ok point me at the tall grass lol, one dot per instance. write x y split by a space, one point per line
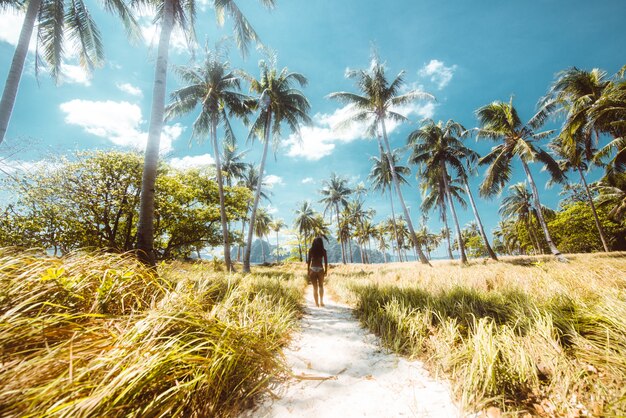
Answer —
523 334
99 335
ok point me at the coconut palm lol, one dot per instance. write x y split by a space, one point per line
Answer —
305 220
572 158
377 103
434 194
608 115
171 13
612 189
499 121
435 146
233 166
381 179
319 227
252 181
336 192
215 89
262 227
518 205
276 226
278 102
58 22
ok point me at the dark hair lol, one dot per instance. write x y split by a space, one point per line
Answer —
317 248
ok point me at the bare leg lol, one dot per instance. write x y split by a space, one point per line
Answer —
321 290
314 281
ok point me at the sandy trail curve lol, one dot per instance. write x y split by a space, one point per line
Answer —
340 370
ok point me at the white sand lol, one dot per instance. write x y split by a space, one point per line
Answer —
340 370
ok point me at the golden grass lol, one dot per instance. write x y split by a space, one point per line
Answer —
525 334
100 335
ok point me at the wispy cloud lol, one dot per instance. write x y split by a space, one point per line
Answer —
10 26
328 130
307 180
273 180
130 89
75 74
118 122
196 161
438 73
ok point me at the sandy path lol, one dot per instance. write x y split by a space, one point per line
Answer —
341 371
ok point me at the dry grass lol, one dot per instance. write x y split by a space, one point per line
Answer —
526 335
99 335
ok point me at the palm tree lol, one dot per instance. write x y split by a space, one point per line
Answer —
572 158
434 194
233 166
319 227
216 90
278 102
499 121
608 115
518 205
169 14
276 226
56 23
304 221
435 146
262 227
612 189
336 192
381 179
377 104
252 181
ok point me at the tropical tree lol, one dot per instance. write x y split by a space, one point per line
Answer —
170 13
276 226
215 89
499 121
304 221
518 205
377 103
335 192
435 146
572 158
612 189
252 181
278 102
233 166
381 179
58 22
434 195
262 224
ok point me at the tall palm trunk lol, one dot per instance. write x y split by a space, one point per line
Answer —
492 254
533 236
17 66
343 251
422 257
393 223
277 248
555 251
593 210
145 227
220 188
444 175
444 218
257 194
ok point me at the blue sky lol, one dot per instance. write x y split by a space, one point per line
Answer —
465 53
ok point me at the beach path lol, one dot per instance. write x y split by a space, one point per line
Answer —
340 370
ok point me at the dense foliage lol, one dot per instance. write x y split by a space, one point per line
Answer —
92 201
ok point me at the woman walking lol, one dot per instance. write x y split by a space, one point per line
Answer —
316 270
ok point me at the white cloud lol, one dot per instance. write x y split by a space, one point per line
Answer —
271 209
196 161
10 26
21 166
130 89
118 122
320 140
150 33
438 73
307 180
75 74
273 180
